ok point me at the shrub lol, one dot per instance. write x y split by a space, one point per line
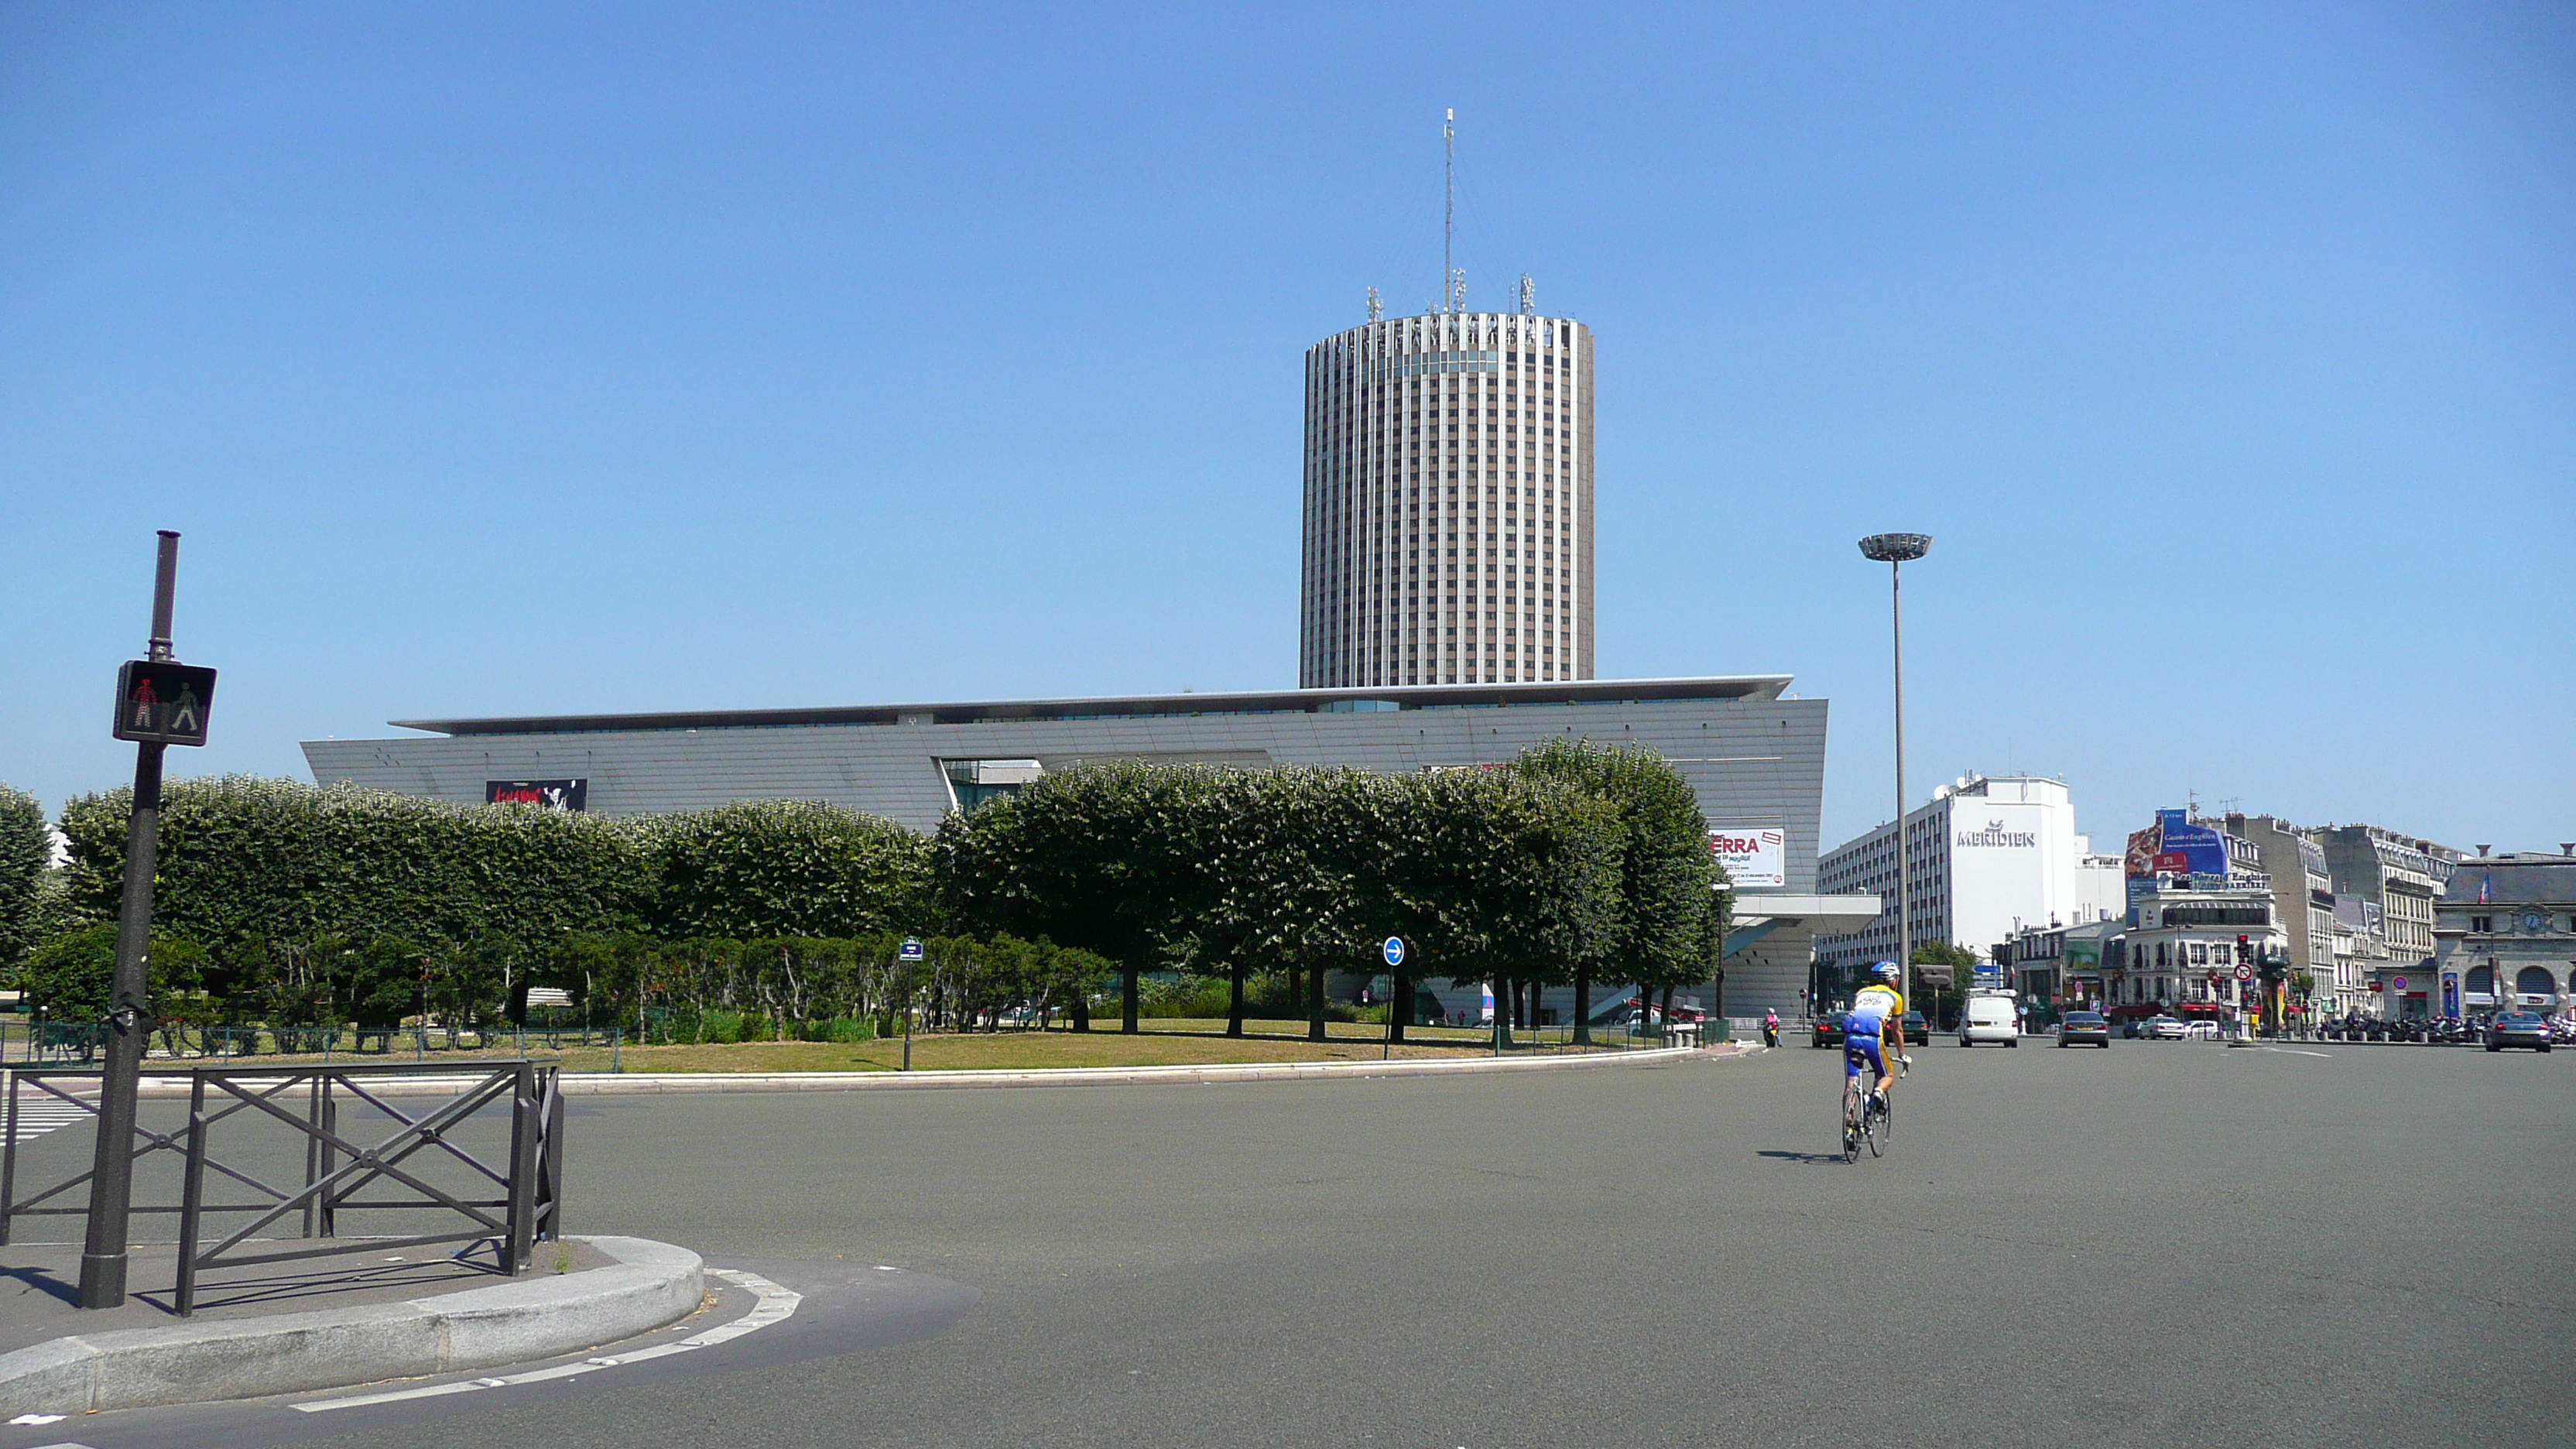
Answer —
72 976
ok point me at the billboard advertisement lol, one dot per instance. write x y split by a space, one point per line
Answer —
550 794
2143 845
2195 849
1754 859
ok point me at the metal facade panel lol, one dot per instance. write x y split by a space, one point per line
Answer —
1756 762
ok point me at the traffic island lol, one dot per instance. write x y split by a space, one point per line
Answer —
587 1084
361 1317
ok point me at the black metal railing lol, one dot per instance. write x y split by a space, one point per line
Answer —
337 1167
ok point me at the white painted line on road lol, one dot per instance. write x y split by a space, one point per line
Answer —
2295 1052
40 1113
775 1304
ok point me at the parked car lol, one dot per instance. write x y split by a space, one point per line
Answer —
1827 1031
2086 1028
1989 1018
1915 1031
2200 1031
2517 1029
2165 1028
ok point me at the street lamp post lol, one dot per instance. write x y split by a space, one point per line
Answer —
1896 550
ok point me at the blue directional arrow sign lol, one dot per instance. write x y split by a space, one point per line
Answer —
1395 950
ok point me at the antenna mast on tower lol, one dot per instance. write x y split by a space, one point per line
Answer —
1448 208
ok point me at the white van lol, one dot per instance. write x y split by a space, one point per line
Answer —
1989 1018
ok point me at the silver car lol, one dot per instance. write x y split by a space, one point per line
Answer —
2517 1029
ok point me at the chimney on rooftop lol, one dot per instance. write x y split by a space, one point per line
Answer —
2486 850
2567 847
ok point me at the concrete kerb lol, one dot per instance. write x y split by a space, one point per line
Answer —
605 1083
649 1285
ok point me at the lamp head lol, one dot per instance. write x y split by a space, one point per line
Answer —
1895 547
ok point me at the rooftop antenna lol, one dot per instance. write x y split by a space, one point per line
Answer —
1448 206
1529 296
1377 308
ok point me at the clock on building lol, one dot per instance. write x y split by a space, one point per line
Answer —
2534 921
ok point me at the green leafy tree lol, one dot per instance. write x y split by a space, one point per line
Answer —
1671 917
72 977
773 868
242 857
1496 876
25 852
1944 1003
1107 858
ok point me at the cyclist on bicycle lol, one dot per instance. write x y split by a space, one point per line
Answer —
1874 1031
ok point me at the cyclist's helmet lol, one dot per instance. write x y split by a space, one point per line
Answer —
1889 971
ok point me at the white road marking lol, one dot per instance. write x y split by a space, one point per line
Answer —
775 1304
2295 1052
40 1113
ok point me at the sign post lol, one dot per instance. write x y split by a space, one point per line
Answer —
1394 951
159 703
910 955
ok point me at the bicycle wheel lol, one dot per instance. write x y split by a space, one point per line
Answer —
1887 1120
1852 1119
1869 1117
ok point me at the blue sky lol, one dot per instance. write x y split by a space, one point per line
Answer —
519 359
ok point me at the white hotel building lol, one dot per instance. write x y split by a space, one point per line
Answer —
1989 855
1448 515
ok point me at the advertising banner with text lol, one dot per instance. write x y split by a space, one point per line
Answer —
1754 859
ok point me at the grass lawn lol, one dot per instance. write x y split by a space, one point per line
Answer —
1160 1042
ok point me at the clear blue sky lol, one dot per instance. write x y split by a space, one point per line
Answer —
520 359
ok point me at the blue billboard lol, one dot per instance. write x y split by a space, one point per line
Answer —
2188 849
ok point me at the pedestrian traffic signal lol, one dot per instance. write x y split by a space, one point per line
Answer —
161 703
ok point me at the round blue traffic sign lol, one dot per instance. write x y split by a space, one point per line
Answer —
1395 950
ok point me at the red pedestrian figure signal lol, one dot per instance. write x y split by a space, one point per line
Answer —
159 703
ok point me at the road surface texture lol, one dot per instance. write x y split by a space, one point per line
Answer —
2159 1244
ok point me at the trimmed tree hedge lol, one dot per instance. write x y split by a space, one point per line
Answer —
244 859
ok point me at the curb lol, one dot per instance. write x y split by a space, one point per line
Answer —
527 1318
580 1084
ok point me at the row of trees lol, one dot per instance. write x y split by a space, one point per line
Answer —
1573 865
689 990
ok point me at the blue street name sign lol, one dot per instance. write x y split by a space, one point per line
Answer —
911 949
1395 950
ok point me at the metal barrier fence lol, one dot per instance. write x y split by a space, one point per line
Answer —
336 1167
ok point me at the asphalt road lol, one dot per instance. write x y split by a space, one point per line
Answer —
2160 1244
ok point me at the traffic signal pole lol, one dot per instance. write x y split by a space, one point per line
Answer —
111 1186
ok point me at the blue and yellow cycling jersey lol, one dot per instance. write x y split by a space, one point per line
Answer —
1872 1009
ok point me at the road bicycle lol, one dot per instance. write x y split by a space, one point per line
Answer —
1862 1113
1867 1119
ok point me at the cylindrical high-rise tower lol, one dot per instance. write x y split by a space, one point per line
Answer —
1448 535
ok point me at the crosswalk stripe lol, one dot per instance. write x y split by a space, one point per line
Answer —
38 1116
